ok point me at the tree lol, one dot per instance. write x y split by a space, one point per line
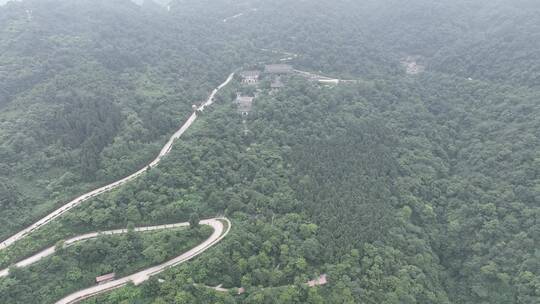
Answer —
59 247
194 220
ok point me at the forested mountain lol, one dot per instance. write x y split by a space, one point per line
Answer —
402 187
89 90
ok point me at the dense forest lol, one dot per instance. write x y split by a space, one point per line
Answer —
402 188
93 100
75 267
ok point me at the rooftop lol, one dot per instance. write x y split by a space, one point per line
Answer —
278 69
250 73
244 103
105 277
244 99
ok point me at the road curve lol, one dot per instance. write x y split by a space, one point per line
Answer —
220 231
51 250
77 201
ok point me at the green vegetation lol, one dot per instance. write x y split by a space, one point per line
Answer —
88 97
76 267
402 188
411 230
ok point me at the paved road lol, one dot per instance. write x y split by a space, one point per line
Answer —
321 78
238 15
51 250
74 203
290 56
220 231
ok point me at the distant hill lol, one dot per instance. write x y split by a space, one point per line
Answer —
163 3
419 187
2 2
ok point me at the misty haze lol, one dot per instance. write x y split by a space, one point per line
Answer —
270 152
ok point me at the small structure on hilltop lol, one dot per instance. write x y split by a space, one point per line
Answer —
245 103
278 69
318 281
412 67
250 77
329 81
105 278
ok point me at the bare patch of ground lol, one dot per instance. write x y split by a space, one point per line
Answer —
412 67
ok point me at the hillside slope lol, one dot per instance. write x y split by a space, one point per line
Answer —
402 188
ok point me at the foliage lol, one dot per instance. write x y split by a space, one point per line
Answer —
403 189
76 267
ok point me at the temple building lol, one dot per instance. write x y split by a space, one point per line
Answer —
245 103
250 77
279 69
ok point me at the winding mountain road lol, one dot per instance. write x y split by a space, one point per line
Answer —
220 231
221 227
77 201
51 250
